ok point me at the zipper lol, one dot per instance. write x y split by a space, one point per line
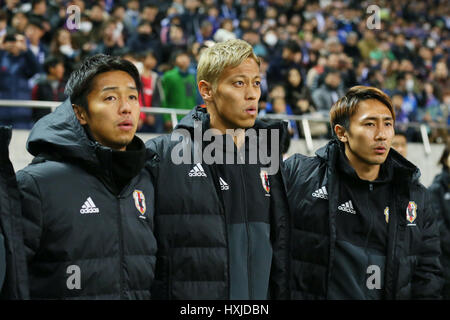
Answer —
215 180
249 269
121 253
371 218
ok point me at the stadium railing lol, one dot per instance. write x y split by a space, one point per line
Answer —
304 120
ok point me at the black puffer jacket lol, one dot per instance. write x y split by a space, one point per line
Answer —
13 272
440 195
83 240
412 262
205 233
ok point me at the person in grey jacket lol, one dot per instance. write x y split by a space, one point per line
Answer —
329 92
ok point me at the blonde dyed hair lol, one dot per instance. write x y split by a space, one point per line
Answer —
214 60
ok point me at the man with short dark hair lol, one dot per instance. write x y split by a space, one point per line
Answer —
179 86
87 200
51 87
17 66
400 143
363 227
329 92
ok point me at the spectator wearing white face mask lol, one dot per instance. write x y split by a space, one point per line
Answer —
61 46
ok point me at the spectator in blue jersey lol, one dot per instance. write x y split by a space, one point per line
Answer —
34 32
17 66
145 39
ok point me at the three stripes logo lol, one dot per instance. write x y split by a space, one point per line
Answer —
347 207
89 207
197 171
321 193
223 185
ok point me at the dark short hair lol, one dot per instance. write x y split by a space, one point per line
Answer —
293 46
79 84
401 133
178 53
52 61
37 22
347 105
444 156
9 37
35 2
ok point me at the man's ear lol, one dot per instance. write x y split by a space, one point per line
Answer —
205 89
80 113
341 133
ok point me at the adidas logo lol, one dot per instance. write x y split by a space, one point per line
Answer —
223 185
321 193
89 207
197 171
347 207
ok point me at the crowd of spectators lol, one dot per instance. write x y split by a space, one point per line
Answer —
311 52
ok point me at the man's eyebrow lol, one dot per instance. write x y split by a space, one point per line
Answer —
245 76
115 88
376 118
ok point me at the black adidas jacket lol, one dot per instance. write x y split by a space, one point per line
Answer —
84 241
440 194
221 230
13 272
412 267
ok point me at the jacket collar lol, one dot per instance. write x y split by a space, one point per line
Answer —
402 168
200 113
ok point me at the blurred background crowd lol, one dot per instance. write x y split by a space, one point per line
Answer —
311 53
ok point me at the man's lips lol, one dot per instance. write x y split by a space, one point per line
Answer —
126 125
251 110
380 150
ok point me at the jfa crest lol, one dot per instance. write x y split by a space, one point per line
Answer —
139 201
411 211
265 180
386 214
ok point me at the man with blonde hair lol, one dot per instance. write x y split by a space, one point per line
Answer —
220 217
363 227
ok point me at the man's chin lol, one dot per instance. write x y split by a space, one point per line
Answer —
376 160
247 124
121 145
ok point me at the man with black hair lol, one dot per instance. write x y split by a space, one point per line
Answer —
17 66
291 56
400 143
179 85
34 31
50 88
440 195
363 227
40 11
87 200
144 39
329 92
